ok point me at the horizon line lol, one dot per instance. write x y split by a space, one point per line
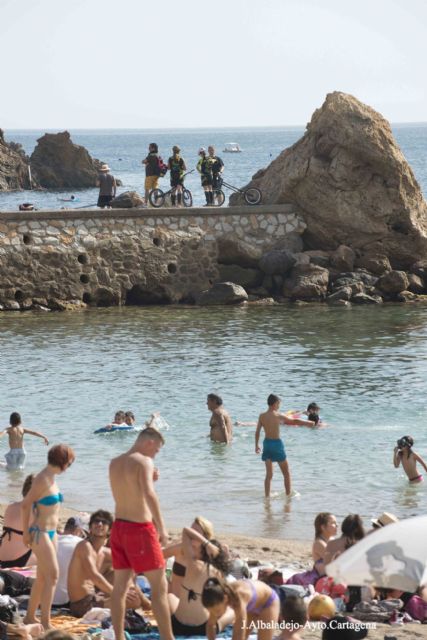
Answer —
215 128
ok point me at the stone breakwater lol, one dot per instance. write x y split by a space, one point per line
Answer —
66 259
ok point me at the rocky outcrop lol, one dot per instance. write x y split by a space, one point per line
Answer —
127 200
232 250
222 293
58 163
351 183
306 282
14 172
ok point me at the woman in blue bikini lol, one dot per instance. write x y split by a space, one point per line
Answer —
43 500
256 607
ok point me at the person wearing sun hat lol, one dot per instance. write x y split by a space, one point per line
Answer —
107 187
383 520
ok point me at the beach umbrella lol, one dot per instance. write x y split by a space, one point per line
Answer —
392 557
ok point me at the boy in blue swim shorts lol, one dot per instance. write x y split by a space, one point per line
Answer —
273 449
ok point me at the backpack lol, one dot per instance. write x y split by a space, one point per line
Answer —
162 167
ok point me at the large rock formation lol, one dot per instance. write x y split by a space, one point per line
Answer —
61 164
13 167
351 183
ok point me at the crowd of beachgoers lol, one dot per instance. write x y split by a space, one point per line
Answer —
102 560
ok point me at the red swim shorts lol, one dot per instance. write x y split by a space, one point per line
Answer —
135 545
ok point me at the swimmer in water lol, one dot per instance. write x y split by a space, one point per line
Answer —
403 454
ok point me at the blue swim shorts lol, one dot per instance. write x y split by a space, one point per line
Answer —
273 450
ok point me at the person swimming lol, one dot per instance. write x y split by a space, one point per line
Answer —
404 454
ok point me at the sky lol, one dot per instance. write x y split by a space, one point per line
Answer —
194 63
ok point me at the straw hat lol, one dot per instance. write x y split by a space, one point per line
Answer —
384 519
104 167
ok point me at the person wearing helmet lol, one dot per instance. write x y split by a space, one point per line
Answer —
217 169
177 168
204 167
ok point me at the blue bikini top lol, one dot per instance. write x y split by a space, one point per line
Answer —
52 498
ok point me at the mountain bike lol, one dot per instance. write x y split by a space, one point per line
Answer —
157 197
251 196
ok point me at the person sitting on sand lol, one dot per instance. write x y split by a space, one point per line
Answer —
202 526
273 448
90 562
293 613
15 458
220 422
13 551
351 532
254 603
325 529
403 454
203 558
74 531
44 499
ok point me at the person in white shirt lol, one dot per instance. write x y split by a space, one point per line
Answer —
75 529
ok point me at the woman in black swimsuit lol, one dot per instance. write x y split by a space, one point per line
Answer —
13 552
202 526
203 558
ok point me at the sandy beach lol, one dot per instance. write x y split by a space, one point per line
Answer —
258 550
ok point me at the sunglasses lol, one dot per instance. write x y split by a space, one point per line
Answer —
100 521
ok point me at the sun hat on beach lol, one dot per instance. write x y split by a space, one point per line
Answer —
384 519
104 167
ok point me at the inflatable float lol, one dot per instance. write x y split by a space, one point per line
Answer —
158 423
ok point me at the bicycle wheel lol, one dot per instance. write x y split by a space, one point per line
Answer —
252 195
218 198
157 198
187 198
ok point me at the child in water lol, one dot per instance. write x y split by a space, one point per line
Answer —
15 458
312 413
403 454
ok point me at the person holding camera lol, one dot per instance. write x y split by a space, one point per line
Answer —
403 454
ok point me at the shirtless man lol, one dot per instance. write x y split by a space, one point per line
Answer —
273 448
15 458
220 422
138 531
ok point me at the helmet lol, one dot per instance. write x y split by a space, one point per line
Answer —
202 150
176 149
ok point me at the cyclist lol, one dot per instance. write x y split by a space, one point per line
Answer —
152 169
204 167
177 168
217 169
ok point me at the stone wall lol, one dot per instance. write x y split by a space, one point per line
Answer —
57 258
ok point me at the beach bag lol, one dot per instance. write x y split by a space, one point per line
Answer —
134 623
417 608
9 610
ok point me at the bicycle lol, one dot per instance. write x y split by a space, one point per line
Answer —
252 196
157 197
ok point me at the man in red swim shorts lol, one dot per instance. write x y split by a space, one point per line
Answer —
138 531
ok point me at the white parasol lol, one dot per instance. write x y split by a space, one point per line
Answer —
393 557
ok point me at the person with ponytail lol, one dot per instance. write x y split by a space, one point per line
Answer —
203 558
256 606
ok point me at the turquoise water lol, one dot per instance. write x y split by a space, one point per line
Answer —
124 150
366 367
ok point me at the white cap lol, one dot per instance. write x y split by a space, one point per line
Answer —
202 150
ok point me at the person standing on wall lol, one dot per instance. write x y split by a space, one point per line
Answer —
204 167
152 170
217 169
177 168
107 187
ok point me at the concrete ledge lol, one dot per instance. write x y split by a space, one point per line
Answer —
83 214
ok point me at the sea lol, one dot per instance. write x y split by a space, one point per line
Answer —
67 374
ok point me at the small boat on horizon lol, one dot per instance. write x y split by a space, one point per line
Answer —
232 147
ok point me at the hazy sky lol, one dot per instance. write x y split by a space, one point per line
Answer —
198 63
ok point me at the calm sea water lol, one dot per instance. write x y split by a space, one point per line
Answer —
366 367
123 150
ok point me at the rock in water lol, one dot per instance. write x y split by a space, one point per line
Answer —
58 163
222 293
351 183
13 167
